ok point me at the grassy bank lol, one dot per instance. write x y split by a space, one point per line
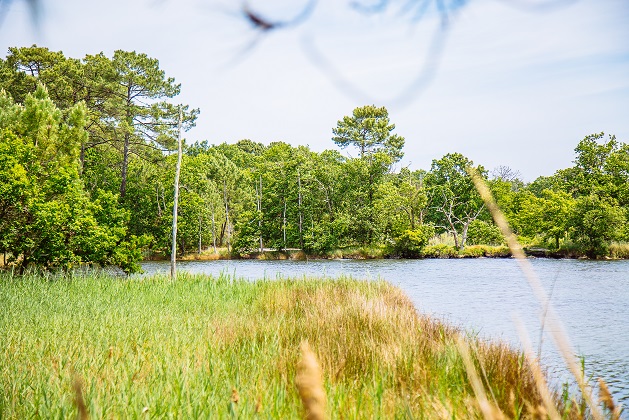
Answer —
617 251
215 347
355 253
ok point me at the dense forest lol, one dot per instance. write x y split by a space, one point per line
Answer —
87 168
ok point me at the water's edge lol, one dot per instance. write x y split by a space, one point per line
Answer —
484 295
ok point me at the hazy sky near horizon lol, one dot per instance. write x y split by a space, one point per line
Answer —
511 84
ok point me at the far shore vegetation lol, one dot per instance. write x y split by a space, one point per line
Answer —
87 166
205 347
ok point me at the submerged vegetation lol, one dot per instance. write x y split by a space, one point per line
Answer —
207 347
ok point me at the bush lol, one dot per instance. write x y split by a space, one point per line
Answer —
498 251
483 233
439 251
485 251
410 243
473 251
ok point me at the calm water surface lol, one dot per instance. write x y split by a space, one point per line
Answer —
484 295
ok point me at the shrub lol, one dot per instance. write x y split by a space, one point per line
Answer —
439 251
485 251
498 251
483 233
409 244
473 251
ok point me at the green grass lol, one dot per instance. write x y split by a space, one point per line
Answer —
152 347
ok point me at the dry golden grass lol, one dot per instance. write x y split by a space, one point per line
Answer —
204 347
309 382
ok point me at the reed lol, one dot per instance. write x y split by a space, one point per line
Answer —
218 347
619 250
558 334
605 397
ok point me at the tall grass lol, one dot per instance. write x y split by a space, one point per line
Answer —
619 250
216 347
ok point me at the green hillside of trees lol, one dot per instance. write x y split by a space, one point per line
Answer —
87 169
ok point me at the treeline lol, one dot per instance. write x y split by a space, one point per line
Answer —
87 169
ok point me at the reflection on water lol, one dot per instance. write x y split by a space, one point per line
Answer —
484 296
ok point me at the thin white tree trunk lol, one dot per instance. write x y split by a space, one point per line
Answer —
284 224
301 237
173 252
260 215
226 214
200 232
213 231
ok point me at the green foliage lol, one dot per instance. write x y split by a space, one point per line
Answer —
369 130
48 218
548 215
248 237
453 197
410 243
597 222
602 168
158 348
86 175
326 236
484 233
439 251
475 251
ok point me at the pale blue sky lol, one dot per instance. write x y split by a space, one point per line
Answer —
512 86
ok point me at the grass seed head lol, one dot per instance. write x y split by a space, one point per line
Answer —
309 383
608 401
78 399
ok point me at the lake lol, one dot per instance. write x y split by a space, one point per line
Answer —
485 295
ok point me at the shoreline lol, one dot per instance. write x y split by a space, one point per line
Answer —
437 252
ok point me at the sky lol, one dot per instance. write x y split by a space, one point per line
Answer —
504 82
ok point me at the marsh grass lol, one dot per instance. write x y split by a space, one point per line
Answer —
217 347
619 250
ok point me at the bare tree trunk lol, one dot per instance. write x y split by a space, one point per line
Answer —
125 152
226 214
125 164
260 215
213 230
200 232
284 223
82 159
301 236
466 225
173 252
159 208
221 239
